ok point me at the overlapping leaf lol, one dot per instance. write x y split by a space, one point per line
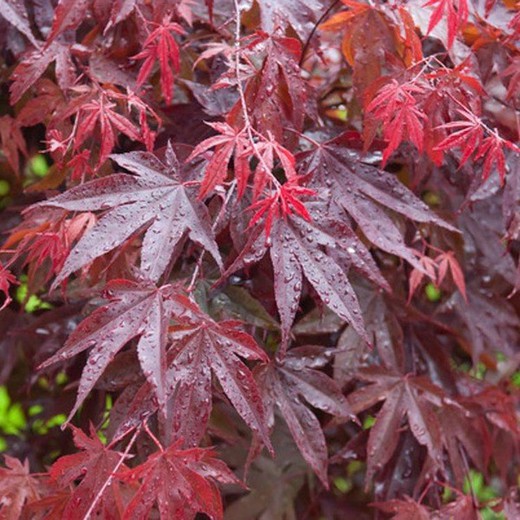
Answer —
287 385
276 93
160 45
154 199
413 396
32 67
317 251
300 15
181 483
366 194
15 13
204 347
133 310
17 488
94 466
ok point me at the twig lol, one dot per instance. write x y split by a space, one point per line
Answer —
114 471
247 122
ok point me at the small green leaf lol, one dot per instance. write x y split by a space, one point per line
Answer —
39 166
57 420
35 409
61 378
342 485
432 199
33 303
12 417
368 422
433 293
5 188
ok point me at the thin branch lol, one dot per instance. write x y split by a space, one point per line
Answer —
114 471
213 227
247 122
316 25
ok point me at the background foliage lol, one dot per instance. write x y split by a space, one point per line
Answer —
260 259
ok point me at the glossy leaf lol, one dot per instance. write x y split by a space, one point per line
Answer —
181 483
154 198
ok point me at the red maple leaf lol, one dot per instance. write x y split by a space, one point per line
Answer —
202 347
17 488
447 261
100 112
296 247
36 62
160 45
6 279
93 466
181 482
154 199
473 137
284 201
287 384
396 107
133 310
228 142
413 396
456 12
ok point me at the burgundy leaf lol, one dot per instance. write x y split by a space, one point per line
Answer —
365 193
287 385
14 12
204 347
154 199
93 465
133 311
180 482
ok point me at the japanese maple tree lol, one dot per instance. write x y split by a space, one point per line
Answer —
260 259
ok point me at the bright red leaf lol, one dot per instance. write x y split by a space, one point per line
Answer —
456 14
6 280
93 466
396 107
160 45
180 482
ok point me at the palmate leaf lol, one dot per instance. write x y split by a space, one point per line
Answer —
134 310
68 14
203 347
35 63
15 13
404 395
94 465
154 199
17 488
287 385
161 46
275 94
366 193
180 482
319 250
